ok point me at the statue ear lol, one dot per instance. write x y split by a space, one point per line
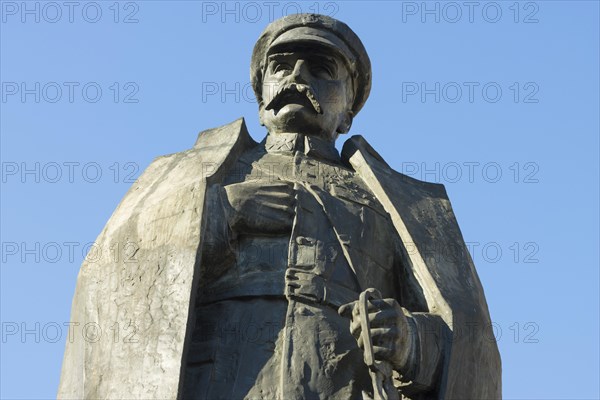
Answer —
345 123
261 109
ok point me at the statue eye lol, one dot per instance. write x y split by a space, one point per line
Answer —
278 67
322 71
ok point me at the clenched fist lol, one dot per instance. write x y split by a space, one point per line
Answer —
260 207
389 328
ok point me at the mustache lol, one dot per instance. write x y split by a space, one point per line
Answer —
295 89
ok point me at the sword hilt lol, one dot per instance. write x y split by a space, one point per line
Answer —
380 371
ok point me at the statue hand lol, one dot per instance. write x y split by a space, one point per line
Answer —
260 207
390 331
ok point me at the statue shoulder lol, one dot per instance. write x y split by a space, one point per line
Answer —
225 136
369 164
213 148
207 161
217 140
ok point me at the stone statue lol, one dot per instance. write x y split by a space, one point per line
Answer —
284 269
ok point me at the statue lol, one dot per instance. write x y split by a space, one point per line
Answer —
284 269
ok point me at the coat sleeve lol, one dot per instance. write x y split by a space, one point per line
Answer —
420 369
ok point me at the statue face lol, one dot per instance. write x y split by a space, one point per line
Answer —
308 91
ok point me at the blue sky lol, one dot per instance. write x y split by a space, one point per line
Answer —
497 100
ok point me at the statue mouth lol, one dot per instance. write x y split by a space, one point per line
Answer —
294 93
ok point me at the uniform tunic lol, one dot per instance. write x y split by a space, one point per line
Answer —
266 320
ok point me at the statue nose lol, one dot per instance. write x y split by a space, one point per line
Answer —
300 72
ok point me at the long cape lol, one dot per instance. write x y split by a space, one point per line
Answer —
132 307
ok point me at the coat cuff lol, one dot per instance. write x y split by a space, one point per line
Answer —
420 370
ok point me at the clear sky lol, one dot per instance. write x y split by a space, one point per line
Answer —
499 101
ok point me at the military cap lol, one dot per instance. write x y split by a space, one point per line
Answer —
318 29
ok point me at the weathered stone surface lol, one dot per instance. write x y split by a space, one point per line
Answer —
146 290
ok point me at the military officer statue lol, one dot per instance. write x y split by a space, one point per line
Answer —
313 274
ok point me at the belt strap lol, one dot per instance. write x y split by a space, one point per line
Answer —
295 284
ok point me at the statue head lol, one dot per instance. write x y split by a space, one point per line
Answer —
311 74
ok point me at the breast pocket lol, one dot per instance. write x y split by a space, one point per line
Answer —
377 240
357 195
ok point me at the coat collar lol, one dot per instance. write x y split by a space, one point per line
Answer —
312 146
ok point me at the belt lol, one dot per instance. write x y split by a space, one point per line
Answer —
295 284
306 286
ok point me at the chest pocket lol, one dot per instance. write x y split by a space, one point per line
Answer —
372 234
358 195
